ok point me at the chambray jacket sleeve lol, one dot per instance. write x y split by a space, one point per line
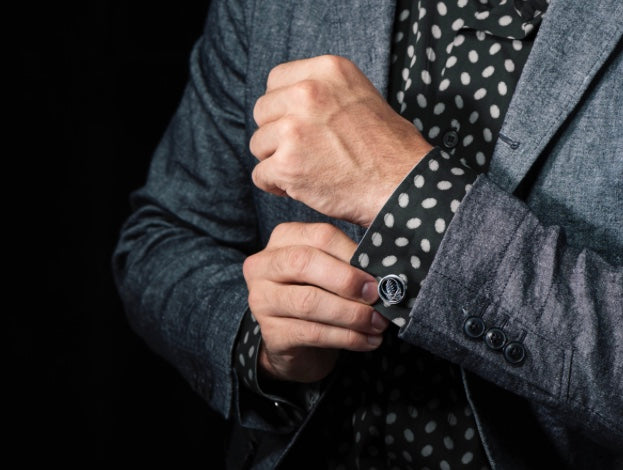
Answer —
490 287
559 310
178 262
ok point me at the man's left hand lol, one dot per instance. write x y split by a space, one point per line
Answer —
328 138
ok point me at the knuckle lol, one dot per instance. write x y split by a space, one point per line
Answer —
256 176
296 336
323 233
305 301
331 61
349 283
270 334
257 110
336 65
290 128
253 299
307 92
274 336
280 231
249 266
267 330
351 318
285 233
353 340
256 302
272 80
314 334
359 317
293 191
253 146
298 258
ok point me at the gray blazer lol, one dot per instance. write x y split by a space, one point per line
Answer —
536 247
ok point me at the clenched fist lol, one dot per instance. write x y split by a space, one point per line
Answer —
327 138
310 302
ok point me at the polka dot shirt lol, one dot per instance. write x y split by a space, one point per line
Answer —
455 64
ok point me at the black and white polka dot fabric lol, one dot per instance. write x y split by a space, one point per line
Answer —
291 400
455 64
403 239
398 408
246 351
458 63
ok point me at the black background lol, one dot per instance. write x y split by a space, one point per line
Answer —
97 85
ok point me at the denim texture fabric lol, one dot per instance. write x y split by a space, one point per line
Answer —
536 248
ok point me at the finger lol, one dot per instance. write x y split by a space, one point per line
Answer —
305 264
302 97
320 67
287 333
265 140
271 106
317 305
294 71
263 177
323 236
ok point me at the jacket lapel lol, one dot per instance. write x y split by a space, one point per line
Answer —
573 43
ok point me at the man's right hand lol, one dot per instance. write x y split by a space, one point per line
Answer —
310 302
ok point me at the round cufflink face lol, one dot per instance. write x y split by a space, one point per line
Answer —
392 289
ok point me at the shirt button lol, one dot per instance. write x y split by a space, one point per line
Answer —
514 352
474 327
495 338
450 139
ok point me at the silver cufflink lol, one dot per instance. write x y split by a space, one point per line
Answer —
392 289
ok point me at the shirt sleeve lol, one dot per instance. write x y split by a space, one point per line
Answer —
401 243
291 401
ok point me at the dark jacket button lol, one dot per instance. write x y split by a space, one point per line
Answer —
474 327
514 352
450 139
495 338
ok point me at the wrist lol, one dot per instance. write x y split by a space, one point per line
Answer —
400 170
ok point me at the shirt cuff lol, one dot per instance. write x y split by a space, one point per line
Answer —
400 244
294 399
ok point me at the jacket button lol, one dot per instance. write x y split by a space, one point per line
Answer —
514 352
450 139
495 338
474 327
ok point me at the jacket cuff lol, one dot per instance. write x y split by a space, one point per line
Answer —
401 243
459 315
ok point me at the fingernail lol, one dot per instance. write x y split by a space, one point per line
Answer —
378 321
369 292
375 340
